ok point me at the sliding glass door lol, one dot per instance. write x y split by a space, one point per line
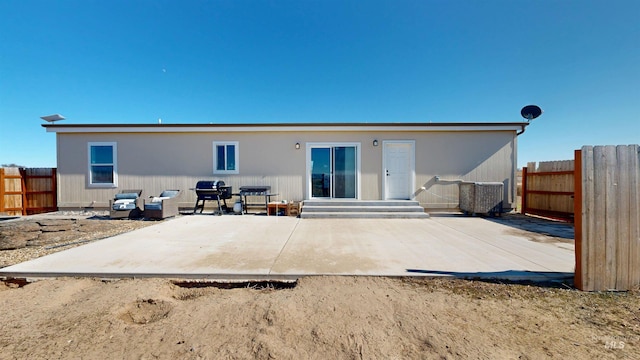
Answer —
321 172
334 171
344 172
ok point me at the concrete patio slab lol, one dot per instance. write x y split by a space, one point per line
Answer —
260 247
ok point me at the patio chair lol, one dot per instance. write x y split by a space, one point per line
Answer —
163 206
127 204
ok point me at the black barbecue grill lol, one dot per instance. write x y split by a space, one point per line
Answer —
260 191
212 190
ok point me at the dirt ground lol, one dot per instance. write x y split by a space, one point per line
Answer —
314 318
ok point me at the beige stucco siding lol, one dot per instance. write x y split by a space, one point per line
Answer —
157 161
470 156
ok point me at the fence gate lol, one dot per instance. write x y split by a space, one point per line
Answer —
27 191
607 227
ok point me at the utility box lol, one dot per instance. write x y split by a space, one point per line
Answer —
481 197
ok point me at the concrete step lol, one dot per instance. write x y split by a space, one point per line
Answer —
362 208
363 215
361 203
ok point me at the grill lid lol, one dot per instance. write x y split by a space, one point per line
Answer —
255 189
209 185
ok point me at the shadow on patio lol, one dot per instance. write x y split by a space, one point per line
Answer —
537 278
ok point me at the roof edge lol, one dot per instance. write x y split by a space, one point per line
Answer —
281 127
276 125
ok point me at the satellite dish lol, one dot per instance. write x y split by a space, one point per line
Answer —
52 118
530 112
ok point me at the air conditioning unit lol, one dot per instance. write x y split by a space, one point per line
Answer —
481 197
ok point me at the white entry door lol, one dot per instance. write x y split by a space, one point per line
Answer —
398 160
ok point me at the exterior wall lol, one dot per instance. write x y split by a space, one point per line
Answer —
177 160
469 156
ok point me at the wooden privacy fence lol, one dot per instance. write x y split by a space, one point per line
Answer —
607 221
548 189
27 191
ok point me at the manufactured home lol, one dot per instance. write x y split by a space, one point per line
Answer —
359 161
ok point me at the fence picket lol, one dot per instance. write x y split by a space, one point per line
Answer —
634 216
623 219
588 225
611 192
598 216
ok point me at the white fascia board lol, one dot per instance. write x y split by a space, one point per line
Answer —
288 128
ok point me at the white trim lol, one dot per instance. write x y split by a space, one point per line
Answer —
283 128
357 145
236 153
412 175
114 149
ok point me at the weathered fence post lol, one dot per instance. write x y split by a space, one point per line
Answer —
54 188
2 190
523 194
577 218
23 187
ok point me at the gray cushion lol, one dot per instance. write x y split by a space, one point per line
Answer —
123 196
153 206
169 193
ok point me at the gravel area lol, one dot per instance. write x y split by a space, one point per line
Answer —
29 237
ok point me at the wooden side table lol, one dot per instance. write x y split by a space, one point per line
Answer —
274 207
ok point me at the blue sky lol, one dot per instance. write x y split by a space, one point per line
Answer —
322 61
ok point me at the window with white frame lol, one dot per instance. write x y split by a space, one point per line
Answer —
225 157
103 169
